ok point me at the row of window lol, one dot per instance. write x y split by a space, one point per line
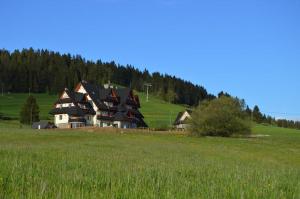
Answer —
65 105
60 117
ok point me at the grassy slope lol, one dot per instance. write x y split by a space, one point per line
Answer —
74 164
157 112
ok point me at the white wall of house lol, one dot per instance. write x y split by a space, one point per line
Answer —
89 120
182 126
94 118
106 124
124 125
61 120
118 124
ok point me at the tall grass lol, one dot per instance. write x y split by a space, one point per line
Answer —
78 164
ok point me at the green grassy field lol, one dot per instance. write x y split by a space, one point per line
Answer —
157 112
84 164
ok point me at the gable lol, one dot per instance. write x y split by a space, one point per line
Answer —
185 116
64 95
80 89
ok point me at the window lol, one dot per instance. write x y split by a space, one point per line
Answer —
104 113
60 117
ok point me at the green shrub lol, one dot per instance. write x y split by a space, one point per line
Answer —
223 116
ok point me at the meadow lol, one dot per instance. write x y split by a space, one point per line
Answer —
97 164
157 112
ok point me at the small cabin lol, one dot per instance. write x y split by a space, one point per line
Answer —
182 119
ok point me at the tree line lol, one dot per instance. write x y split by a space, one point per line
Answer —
257 116
44 71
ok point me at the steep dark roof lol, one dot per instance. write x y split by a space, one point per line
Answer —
73 111
65 100
73 97
120 116
77 97
142 123
177 120
97 93
123 93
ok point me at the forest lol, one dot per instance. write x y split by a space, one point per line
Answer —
44 71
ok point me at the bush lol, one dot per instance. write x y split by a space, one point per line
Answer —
223 116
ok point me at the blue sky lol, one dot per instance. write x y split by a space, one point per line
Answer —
249 48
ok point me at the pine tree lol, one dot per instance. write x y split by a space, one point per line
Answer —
248 111
30 111
257 116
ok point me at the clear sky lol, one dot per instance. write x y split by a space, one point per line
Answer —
249 48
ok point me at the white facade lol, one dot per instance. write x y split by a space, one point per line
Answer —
61 120
94 120
182 126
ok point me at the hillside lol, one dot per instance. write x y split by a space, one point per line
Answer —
157 112
45 71
81 164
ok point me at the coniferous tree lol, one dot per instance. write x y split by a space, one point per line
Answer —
257 115
30 111
248 111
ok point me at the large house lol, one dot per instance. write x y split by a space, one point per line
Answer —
182 120
92 105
